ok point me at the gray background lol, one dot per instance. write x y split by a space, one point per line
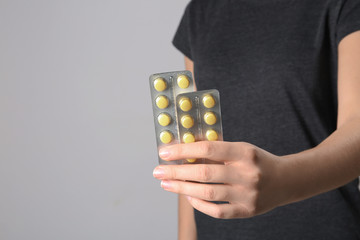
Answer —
77 141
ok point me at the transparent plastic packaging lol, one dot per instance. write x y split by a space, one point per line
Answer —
164 87
199 115
182 115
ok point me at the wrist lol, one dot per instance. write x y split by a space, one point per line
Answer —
302 175
285 181
278 181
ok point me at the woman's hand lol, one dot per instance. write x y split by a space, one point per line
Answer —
249 177
255 181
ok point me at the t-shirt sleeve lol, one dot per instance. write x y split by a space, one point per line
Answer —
349 19
182 38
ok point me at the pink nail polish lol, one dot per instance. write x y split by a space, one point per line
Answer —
188 198
164 153
158 172
165 185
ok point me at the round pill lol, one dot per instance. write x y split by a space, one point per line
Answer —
183 81
162 102
166 137
160 84
210 118
188 137
185 104
164 119
208 101
211 135
191 160
187 121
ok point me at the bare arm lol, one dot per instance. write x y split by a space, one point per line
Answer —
189 65
186 221
336 161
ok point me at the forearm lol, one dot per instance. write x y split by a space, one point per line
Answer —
333 163
186 221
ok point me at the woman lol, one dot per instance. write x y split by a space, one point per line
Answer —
289 77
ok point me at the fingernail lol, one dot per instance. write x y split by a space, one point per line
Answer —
188 198
165 184
164 153
158 172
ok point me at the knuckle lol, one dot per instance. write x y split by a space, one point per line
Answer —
253 206
227 195
254 187
179 151
207 148
205 174
256 177
218 213
250 212
179 188
209 193
194 203
172 173
250 153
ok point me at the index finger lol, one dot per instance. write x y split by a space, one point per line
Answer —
209 173
213 150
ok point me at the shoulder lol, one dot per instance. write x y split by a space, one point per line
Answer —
204 11
206 6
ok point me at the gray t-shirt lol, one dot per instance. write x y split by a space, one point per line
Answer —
275 65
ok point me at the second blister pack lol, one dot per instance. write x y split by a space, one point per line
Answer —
199 116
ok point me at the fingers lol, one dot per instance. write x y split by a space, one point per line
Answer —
210 173
223 211
199 194
214 150
209 192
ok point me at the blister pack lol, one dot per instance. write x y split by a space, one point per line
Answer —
164 88
199 117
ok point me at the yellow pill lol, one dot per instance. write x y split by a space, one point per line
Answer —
185 104
210 118
188 137
208 101
166 137
191 160
183 81
211 135
162 102
187 121
164 119
160 84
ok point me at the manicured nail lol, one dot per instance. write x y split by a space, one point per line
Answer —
158 172
165 184
163 153
188 198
